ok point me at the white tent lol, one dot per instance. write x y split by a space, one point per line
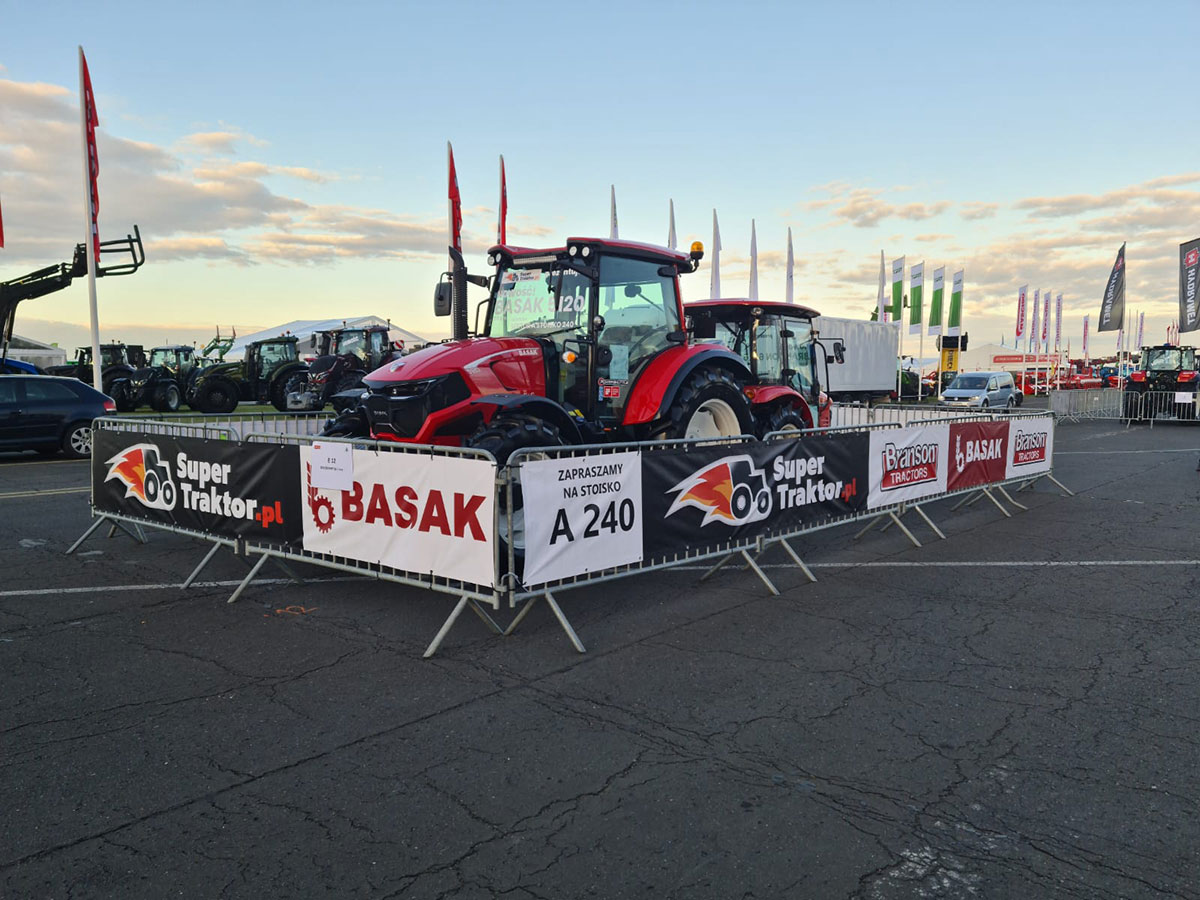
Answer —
304 328
996 358
35 352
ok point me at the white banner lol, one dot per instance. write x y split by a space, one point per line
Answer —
420 514
908 463
582 514
1030 447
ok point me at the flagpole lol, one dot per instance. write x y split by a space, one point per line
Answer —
92 251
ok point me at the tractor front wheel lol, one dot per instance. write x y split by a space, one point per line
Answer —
166 398
122 395
502 437
709 405
218 395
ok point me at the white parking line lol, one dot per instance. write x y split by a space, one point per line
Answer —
99 588
14 495
1094 452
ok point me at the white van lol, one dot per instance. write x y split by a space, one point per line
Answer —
981 390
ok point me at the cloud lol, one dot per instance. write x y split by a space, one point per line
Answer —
865 207
976 209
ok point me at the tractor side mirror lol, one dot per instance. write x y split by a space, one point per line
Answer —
839 352
312 339
677 337
443 298
787 333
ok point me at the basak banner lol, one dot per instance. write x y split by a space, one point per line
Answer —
582 514
907 464
1112 304
217 487
1189 274
1030 447
978 454
420 514
705 497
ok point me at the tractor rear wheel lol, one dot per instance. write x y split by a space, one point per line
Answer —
709 405
782 418
217 395
502 437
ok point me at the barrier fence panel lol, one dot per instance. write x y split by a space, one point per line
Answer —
1074 405
1152 406
450 520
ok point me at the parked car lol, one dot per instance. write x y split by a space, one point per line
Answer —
981 390
49 413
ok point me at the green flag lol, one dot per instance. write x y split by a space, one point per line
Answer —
896 310
935 303
954 321
916 284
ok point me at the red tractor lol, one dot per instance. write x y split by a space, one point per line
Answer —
778 344
583 343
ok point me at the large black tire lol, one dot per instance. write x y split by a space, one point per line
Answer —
710 404
77 440
217 395
503 436
122 396
351 423
166 398
781 418
295 383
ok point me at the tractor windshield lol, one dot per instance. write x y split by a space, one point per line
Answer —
109 356
539 301
162 357
1162 359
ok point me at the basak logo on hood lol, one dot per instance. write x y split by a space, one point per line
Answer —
146 477
731 490
401 507
1192 258
194 484
969 451
1029 447
905 466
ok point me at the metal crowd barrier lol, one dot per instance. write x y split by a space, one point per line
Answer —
507 587
1151 406
242 424
1075 405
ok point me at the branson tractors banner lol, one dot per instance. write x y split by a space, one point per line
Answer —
417 513
1030 447
907 464
704 497
215 487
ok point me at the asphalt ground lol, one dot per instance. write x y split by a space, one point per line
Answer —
1011 712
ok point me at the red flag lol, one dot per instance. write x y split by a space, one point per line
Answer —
455 204
502 225
91 120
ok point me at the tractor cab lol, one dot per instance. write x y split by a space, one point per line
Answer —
178 360
264 357
778 343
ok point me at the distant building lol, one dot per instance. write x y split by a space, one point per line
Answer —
305 328
35 352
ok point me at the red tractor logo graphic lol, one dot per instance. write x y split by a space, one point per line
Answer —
731 490
320 507
146 477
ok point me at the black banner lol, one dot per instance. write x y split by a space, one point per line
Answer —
1189 274
217 487
703 497
1112 305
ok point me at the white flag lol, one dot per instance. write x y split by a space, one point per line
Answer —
1031 346
790 268
612 228
1058 323
916 288
1140 331
671 230
753 295
714 279
936 301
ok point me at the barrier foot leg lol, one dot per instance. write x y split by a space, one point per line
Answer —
928 521
446 626
483 615
912 537
262 561
964 500
558 614
287 570
713 571
200 568
988 494
868 527
1070 493
798 561
87 534
760 573
1009 498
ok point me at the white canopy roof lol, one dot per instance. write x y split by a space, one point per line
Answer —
303 328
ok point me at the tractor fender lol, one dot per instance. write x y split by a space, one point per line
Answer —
654 390
781 395
541 407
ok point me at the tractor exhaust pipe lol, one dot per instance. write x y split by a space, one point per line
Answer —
458 302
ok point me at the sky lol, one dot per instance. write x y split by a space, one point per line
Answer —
288 160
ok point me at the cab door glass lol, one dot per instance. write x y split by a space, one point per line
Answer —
768 351
800 355
640 308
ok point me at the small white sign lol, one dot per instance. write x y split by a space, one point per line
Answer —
1185 397
332 465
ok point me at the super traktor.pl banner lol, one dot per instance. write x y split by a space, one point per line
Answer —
701 498
215 487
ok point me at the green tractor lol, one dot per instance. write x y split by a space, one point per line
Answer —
260 378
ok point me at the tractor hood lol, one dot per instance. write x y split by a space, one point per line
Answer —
487 365
227 369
